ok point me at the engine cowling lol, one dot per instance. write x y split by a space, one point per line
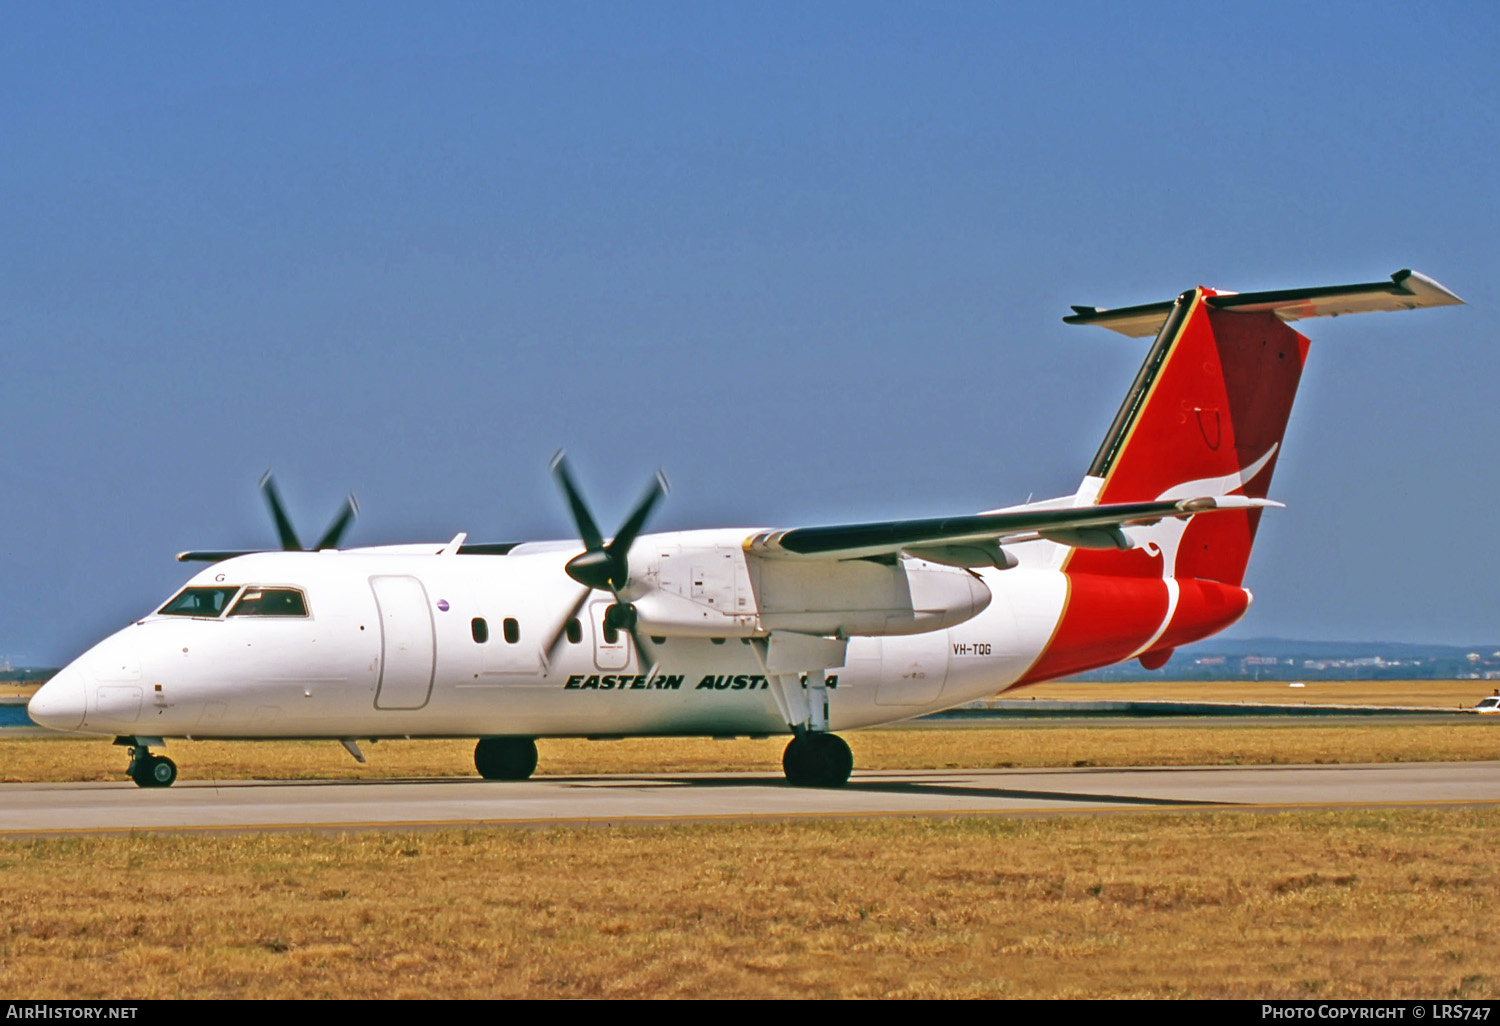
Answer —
721 591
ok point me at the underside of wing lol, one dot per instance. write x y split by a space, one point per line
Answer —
975 540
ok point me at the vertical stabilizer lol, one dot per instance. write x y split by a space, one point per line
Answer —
1205 415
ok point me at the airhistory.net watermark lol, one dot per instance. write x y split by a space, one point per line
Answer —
55 1010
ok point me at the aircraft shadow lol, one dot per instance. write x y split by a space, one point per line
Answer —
1015 794
932 788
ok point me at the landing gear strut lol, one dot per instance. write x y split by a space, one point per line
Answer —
505 758
817 760
149 770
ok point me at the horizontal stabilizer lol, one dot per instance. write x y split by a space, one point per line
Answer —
1406 290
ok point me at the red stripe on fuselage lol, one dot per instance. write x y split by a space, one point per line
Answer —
1104 620
1203 608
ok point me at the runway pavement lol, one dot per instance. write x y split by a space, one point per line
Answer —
194 805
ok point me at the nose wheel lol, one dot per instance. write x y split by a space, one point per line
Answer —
817 760
149 770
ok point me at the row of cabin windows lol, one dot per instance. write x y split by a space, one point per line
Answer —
481 630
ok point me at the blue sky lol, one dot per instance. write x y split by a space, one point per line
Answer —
812 259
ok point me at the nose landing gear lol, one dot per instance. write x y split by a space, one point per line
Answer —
149 770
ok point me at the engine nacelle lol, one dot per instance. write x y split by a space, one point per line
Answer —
717 590
859 596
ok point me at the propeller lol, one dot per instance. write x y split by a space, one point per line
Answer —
601 567
288 534
284 529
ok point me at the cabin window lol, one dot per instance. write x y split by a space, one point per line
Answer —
512 630
575 631
479 629
199 602
611 635
270 602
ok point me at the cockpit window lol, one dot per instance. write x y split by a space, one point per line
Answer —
270 602
199 602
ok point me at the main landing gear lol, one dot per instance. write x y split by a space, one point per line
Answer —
817 760
149 770
505 758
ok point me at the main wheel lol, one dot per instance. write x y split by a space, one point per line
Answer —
817 760
153 771
505 758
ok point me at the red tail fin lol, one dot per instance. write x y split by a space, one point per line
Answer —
1205 415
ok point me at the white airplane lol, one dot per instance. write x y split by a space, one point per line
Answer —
742 631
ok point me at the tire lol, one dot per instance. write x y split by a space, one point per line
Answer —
817 760
153 771
794 762
505 758
163 771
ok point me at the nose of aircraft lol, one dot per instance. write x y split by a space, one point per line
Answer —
58 704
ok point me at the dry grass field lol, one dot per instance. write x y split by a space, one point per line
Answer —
1389 903
1017 743
1448 694
934 748
1302 905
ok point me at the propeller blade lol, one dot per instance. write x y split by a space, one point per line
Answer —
645 652
289 540
562 629
587 529
335 532
619 547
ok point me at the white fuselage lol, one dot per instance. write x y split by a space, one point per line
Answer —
388 648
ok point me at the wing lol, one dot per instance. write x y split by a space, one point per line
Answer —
975 540
466 549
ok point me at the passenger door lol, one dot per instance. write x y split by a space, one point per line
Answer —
408 649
